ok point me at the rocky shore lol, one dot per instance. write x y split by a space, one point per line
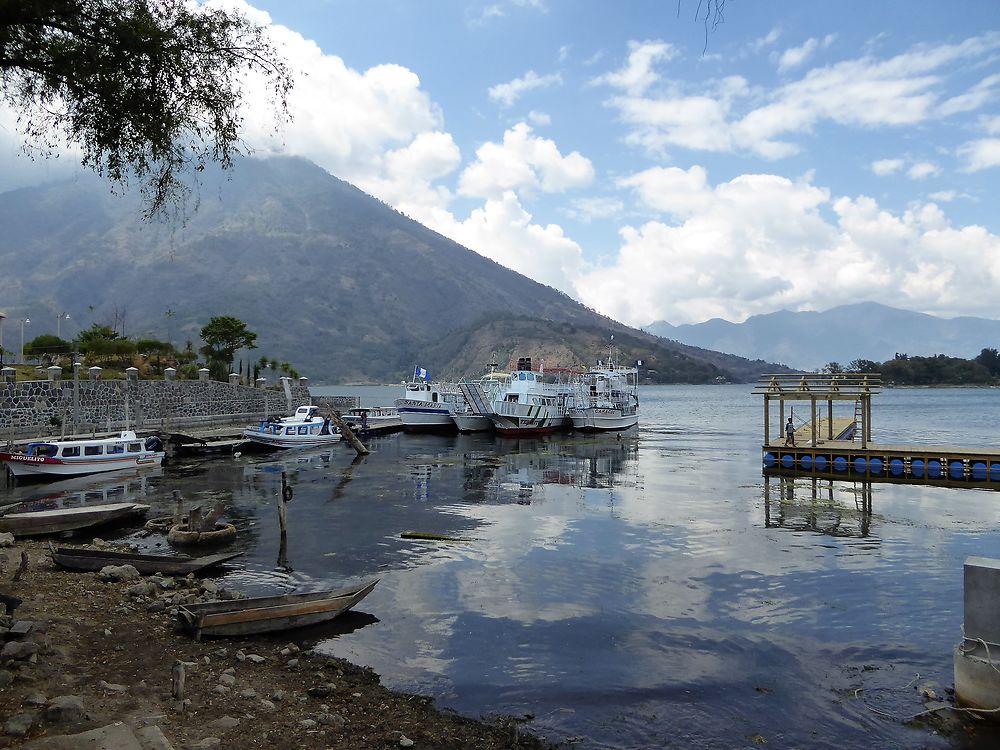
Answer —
93 661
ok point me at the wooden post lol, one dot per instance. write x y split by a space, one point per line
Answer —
864 422
767 421
283 499
812 423
348 434
829 419
178 508
781 417
177 680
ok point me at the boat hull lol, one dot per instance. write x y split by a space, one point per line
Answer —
423 415
240 617
523 419
21 465
473 423
599 419
289 441
94 560
38 523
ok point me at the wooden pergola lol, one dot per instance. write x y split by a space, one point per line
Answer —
816 388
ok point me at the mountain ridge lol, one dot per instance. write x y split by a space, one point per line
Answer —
335 282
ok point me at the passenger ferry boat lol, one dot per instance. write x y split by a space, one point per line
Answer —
524 405
606 397
427 406
306 428
466 418
67 458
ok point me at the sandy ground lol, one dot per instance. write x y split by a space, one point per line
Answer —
98 642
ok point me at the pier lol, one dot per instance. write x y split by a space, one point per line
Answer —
832 445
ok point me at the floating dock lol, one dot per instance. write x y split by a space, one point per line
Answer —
840 446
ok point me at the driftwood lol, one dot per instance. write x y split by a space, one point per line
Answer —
177 681
346 432
22 567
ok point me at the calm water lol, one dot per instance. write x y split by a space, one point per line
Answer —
653 591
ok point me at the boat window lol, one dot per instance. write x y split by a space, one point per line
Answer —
303 430
434 397
93 450
71 451
135 447
290 431
116 448
45 450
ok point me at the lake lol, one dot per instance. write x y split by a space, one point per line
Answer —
649 591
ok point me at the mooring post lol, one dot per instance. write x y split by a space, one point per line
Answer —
767 420
812 420
286 495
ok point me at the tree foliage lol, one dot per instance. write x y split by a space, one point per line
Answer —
148 89
46 346
223 335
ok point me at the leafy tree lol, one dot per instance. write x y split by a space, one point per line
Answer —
145 88
223 336
863 365
990 359
46 346
833 368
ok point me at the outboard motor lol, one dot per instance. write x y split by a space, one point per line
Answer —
153 443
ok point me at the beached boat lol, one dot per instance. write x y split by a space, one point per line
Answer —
173 565
263 614
66 458
606 397
427 406
39 522
305 428
523 405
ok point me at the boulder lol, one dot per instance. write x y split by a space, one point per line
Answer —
117 573
65 709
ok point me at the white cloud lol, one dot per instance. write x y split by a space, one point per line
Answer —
637 75
672 190
765 41
591 209
883 167
523 161
793 57
922 170
762 242
510 92
866 93
981 154
503 230
539 118
944 196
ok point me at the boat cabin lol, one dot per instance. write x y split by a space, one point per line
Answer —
127 442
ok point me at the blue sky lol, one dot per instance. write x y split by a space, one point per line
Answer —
813 154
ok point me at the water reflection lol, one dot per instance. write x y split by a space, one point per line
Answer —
814 504
127 485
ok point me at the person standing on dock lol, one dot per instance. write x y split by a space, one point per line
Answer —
789 433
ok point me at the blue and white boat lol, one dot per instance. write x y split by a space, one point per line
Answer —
304 429
427 406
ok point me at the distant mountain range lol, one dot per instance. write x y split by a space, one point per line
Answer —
333 281
867 330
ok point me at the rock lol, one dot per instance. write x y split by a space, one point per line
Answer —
210 586
118 573
256 658
18 650
220 689
405 741
19 725
205 744
112 687
227 679
158 606
278 695
117 736
151 738
307 723
226 722
206 660
292 663
331 720
266 705
293 648
6 539
139 589
240 656
36 699
6 678
248 693
230 670
222 653
322 691
65 708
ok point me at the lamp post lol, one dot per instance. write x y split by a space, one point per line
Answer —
59 319
24 322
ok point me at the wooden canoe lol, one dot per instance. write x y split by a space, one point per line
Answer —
263 614
95 559
36 523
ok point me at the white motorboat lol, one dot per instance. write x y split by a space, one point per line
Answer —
374 416
304 429
66 458
469 420
606 397
427 406
523 405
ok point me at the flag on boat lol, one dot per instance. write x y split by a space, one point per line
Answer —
419 373
639 363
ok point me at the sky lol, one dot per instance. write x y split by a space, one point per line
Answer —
795 156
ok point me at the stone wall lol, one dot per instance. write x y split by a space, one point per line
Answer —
37 408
